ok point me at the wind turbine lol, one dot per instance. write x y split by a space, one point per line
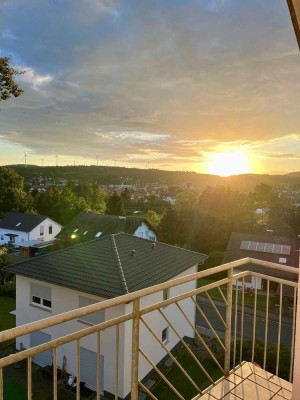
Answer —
25 158
56 156
42 161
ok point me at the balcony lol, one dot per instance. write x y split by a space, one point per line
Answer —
195 337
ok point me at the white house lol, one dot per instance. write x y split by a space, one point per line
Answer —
94 271
20 229
87 226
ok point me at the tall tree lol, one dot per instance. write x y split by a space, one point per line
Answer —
8 86
115 205
13 197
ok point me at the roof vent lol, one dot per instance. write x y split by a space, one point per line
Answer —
132 253
153 245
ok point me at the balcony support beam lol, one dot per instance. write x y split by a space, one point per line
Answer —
294 7
296 372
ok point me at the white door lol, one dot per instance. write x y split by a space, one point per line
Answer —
88 369
45 358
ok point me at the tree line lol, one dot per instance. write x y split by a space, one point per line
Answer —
200 222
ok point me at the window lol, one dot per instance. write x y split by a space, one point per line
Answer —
165 335
42 230
98 234
2 237
50 230
93 318
41 296
166 294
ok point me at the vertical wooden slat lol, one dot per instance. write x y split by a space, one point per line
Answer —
78 370
279 331
242 320
117 363
254 321
293 335
29 379
135 350
55 374
266 324
1 383
228 322
98 364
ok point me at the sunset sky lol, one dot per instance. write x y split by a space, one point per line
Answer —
174 84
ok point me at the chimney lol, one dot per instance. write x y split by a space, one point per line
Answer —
132 253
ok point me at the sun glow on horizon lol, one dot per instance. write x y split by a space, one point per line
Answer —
228 163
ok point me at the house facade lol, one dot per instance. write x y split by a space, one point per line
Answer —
19 228
66 281
267 247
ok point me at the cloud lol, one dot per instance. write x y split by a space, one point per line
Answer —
35 80
183 78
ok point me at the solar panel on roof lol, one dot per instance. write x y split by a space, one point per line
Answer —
286 250
260 246
244 245
277 249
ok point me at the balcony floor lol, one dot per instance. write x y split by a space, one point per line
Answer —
250 382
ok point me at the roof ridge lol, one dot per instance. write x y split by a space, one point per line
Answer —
162 243
120 268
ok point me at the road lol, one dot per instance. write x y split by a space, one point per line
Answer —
212 316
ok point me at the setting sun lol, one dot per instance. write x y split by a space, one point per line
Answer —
225 164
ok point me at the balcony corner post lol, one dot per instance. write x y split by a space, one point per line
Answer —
228 322
135 350
296 370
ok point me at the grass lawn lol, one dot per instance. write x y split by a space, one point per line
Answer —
180 382
12 390
248 299
7 320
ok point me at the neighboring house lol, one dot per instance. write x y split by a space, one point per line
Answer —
27 230
88 226
92 272
270 248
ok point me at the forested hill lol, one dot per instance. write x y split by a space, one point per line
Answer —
120 175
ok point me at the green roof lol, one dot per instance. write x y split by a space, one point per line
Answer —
86 225
110 266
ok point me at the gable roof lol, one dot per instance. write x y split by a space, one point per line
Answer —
263 247
21 222
87 225
108 266
294 8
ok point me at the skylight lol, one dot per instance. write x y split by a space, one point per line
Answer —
19 223
75 230
98 234
85 233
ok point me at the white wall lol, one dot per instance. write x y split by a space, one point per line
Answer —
64 299
22 236
157 323
34 234
145 232
250 284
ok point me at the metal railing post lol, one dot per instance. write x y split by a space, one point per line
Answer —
135 350
228 322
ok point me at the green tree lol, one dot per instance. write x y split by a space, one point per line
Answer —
8 86
13 197
153 218
115 205
4 261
